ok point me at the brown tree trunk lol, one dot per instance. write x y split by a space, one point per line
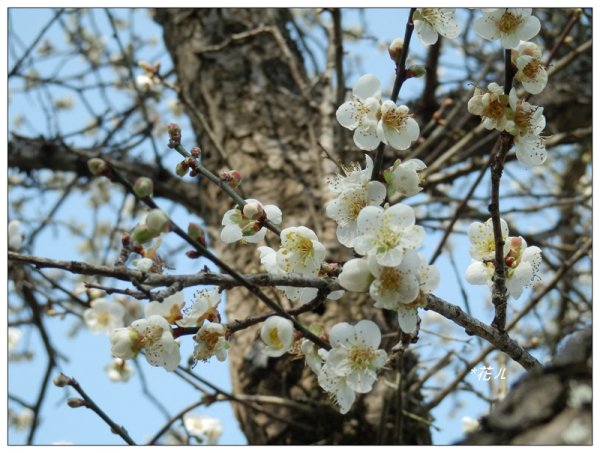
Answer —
245 77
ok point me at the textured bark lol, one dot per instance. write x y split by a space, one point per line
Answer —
546 407
267 118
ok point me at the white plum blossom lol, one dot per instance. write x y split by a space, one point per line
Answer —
396 285
312 356
429 279
104 316
531 71
431 21
526 123
154 335
481 235
388 233
15 235
337 386
510 25
491 105
404 177
354 356
356 275
356 191
396 126
210 340
278 334
521 267
208 428
169 308
247 224
354 176
300 250
360 114
203 309
119 370
20 421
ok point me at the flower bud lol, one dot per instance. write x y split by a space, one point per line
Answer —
142 234
157 221
195 152
231 177
181 169
61 380
97 166
197 233
76 402
143 187
395 49
416 71
253 211
174 133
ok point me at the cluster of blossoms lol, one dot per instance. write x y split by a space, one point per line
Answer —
154 332
506 112
521 262
247 224
208 429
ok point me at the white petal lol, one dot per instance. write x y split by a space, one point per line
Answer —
401 215
341 334
407 319
231 233
355 275
426 32
367 86
478 273
396 139
391 257
273 213
348 114
375 193
520 278
369 219
368 332
530 28
486 28
366 138
347 234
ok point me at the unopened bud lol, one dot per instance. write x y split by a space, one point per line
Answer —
196 232
97 166
76 402
157 221
516 242
416 71
181 169
231 177
253 211
143 187
61 380
174 133
395 49
195 152
142 234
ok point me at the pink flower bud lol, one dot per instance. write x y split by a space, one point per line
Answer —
143 187
174 133
231 177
